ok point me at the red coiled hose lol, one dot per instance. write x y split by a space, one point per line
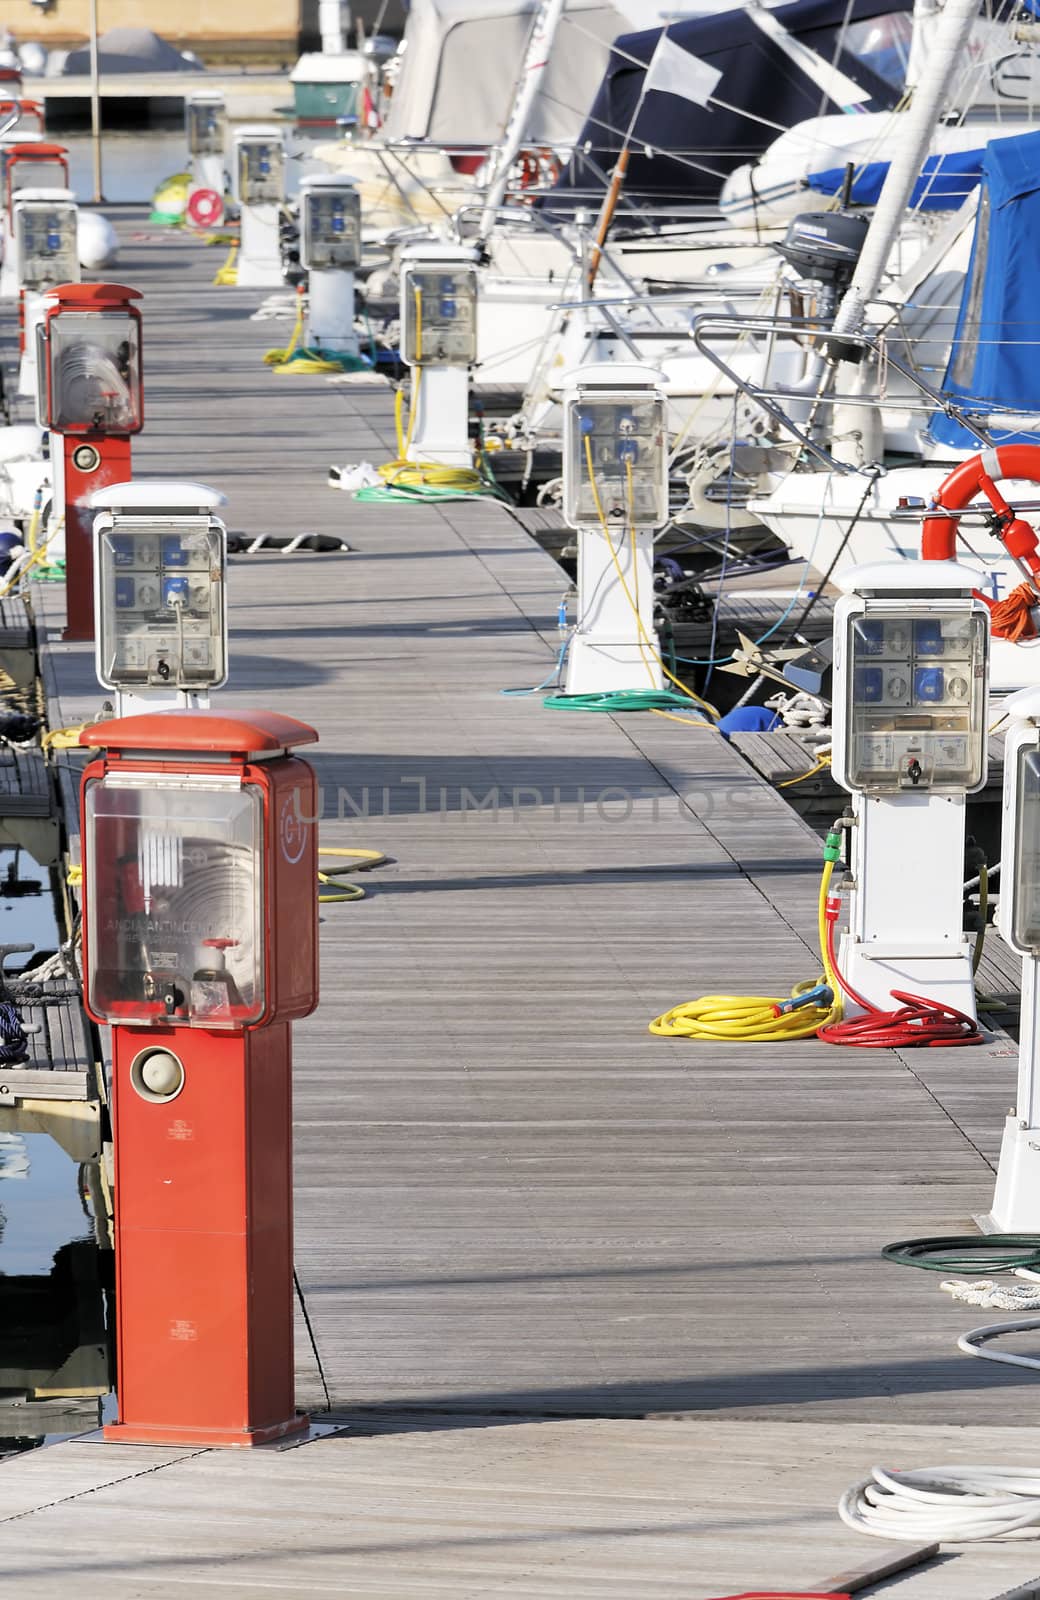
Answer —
914 1023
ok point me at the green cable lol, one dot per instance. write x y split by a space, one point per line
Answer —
624 700
993 1252
383 491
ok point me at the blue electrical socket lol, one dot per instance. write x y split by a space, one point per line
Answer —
173 552
929 685
928 639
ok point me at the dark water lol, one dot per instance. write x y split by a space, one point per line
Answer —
133 164
54 1370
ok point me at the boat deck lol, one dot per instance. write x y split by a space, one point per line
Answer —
602 1314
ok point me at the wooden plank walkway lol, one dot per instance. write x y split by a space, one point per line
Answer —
532 1237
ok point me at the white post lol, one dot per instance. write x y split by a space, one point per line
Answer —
438 317
608 649
615 495
330 312
906 911
260 190
1016 1197
95 101
32 316
333 20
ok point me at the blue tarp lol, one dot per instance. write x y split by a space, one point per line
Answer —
995 359
945 181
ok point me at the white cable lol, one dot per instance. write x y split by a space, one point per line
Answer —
954 1505
972 1342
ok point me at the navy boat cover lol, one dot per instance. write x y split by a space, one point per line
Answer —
683 152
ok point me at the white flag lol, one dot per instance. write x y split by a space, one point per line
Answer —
673 70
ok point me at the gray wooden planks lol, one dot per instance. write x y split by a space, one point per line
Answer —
512 1201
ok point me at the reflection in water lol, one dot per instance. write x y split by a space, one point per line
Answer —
54 1364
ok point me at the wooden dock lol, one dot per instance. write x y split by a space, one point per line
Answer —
601 1314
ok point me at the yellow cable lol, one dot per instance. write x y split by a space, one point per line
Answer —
362 861
65 738
710 709
750 1017
74 876
818 766
35 560
227 275
365 859
277 358
405 474
673 716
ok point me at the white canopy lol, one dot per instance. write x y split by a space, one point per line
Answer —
461 60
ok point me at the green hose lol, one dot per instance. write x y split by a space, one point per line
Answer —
384 491
992 1252
624 700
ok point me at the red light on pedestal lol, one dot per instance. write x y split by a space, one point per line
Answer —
91 396
24 108
33 165
199 948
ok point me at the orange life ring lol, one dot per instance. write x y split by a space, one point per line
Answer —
1011 618
205 208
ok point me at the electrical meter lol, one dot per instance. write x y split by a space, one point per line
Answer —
439 312
1018 908
910 680
261 169
90 364
160 587
330 214
45 238
176 931
205 120
615 453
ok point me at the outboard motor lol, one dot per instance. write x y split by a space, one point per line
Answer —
824 246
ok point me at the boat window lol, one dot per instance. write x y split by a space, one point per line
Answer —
882 44
962 368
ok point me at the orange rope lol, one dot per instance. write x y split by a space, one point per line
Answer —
1012 618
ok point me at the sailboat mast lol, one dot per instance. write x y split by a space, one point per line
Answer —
945 60
536 59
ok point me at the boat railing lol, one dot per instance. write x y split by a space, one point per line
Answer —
769 398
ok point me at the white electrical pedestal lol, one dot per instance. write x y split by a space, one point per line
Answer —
330 250
160 594
205 126
1016 1198
260 191
911 651
615 494
439 343
45 254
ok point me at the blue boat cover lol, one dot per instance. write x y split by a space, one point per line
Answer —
945 181
995 358
709 142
